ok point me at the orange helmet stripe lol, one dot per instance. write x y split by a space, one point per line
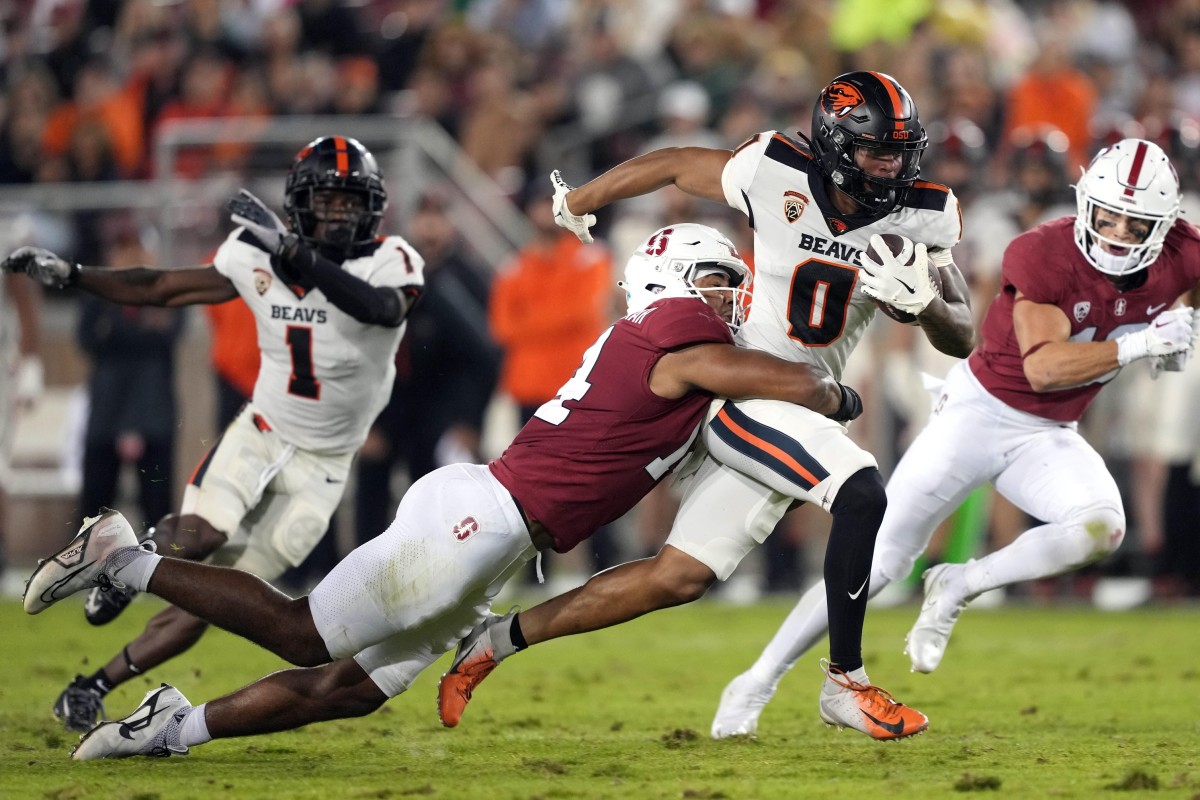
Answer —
343 156
897 106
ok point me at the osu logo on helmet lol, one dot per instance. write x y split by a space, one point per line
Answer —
840 98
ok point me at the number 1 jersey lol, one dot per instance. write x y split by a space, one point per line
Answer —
323 376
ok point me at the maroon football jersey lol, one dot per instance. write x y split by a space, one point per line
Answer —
590 454
1045 265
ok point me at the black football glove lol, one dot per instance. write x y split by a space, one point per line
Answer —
851 406
41 265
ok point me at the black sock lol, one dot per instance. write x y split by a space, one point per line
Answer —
100 682
515 636
857 512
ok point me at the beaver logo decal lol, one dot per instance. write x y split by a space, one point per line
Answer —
840 98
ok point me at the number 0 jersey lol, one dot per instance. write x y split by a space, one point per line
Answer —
590 454
324 376
807 303
1045 265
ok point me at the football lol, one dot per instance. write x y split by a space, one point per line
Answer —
896 245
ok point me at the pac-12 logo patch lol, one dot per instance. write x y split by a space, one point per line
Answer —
1081 310
794 204
262 281
466 529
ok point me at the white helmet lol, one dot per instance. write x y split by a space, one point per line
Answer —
1134 177
669 262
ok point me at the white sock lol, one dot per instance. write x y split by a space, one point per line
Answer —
140 565
195 727
1037 553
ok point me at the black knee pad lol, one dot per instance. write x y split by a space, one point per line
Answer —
862 499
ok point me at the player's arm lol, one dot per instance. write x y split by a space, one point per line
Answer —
738 373
369 304
1052 362
135 286
948 321
695 170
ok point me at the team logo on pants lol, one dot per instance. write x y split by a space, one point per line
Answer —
466 529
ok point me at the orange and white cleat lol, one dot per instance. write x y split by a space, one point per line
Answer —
850 703
473 661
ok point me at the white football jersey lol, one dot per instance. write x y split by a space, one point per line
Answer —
807 302
324 376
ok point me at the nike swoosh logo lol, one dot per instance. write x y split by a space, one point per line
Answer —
1155 309
854 595
929 603
331 480
894 728
127 727
49 596
911 290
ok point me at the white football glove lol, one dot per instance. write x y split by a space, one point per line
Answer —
42 266
252 214
28 381
1176 362
886 278
563 217
1169 333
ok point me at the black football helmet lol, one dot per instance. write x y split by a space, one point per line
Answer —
867 110
336 163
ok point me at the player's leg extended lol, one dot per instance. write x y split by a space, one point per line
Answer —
682 571
1052 473
807 457
166 724
925 486
1063 480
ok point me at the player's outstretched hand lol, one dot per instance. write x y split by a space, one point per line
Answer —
251 213
41 265
900 280
563 217
1169 333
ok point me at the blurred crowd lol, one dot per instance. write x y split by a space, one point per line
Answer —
1015 94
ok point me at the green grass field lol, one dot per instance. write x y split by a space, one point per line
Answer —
1030 703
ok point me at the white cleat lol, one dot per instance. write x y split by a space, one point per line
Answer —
926 642
151 730
79 565
741 704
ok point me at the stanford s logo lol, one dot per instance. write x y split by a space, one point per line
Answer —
793 205
658 242
466 529
840 98
1081 310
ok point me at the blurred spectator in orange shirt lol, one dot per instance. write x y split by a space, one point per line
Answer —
98 99
203 94
547 307
1056 94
